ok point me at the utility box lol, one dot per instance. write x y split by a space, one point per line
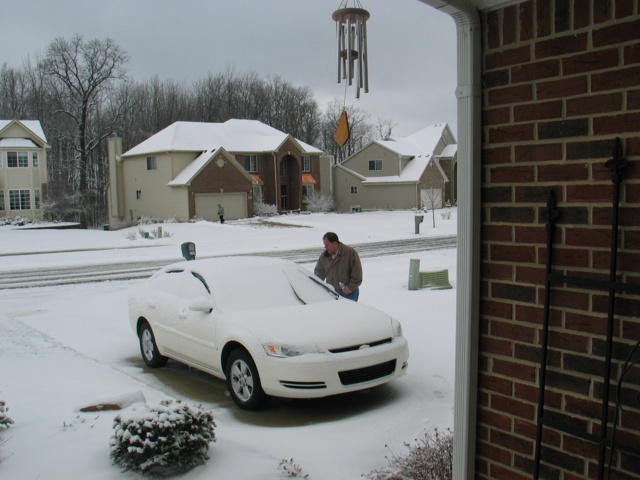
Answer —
418 220
189 250
356 209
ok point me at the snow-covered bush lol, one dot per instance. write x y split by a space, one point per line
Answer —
173 219
261 209
292 469
5 221
430 458
446 214
196 219
147 220
131 235
21 220
162 440
320 202
5 420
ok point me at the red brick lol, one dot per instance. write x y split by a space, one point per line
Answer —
496 155
493 29
602 11
589 193
590 62
496 116
531 275
563 172
512 407
512 133
530 234
571 257
617 33
512 442
497 271
588 237
535 71
540 152
568 341
497 233
510 95
499 472
526 21
615 79
493 452
566 45
495 384
566 87
581 10
544 16
495 346
588 324
509 25
594 104
631 54
511 175
513 253
616 124
568 299
537 111
512 331
507 58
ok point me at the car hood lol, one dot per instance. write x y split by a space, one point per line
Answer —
318 327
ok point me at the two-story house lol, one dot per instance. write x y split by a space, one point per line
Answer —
23 168
417 171
187 169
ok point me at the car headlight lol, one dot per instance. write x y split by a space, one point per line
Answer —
397 327
278 350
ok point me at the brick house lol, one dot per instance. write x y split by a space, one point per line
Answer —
187 169
23 168
548 289
399 173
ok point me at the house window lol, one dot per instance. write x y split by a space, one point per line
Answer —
138 194
19 200
152 163
17 159
251 163
2 207
307 191
283 168
375 164
36 199
257 194
34 159
354 189
306 163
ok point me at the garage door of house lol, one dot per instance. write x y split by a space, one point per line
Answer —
235 205
431 198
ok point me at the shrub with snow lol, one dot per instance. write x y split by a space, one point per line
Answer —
430 458
291 469
320 202
5 420
162 440
261 209
147 220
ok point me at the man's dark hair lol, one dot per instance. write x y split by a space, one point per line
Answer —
332 237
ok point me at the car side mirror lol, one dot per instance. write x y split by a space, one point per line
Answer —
201 304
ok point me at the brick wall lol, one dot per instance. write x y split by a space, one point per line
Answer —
561 80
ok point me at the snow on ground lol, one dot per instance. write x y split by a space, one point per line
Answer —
66 347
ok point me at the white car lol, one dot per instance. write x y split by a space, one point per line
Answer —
267 326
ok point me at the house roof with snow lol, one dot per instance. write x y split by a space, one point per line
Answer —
233 135
422 147
36 139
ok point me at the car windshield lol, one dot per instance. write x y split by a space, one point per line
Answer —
255 289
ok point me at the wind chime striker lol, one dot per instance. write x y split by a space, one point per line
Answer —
351 26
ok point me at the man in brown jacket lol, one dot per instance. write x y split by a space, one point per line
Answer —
340 266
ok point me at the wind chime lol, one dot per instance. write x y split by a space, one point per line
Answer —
351 29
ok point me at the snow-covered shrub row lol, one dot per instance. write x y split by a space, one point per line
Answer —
320 202
430 458
18 220
5 420
162 440
261 209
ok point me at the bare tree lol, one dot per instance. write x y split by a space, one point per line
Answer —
79 75
384 128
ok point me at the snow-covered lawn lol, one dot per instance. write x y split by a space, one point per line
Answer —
66 347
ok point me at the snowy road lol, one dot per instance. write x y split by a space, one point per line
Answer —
42 277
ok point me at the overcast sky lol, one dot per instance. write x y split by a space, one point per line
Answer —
412 76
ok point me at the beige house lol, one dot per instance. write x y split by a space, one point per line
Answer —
187 169
23 168
418 171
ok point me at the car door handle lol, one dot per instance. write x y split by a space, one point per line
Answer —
151 304
182 314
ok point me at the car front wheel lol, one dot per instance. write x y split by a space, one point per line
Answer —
243 381
149 349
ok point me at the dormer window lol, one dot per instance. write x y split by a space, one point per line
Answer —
375 165
251 163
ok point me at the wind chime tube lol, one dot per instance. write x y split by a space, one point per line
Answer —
349 50
359 40
365 57
339 47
